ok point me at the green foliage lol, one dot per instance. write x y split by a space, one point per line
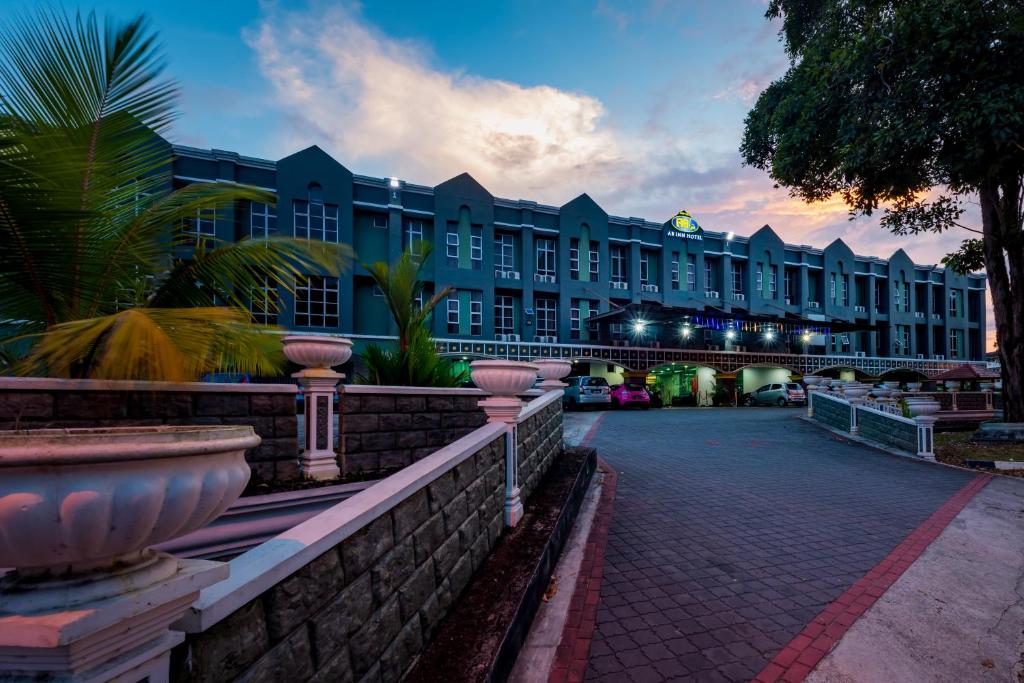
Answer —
885 100
415 362
968 258
89 283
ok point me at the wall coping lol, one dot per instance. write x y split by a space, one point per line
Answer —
374 389
58 384
898 418
538 404
256 571
821 394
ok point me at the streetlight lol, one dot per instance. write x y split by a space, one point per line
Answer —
686 332
394 182
730 236
639 326
730 335
769 335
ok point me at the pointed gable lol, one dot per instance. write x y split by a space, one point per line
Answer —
839 250
584 205
464 186
765 234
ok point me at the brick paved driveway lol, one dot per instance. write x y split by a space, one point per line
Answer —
732 529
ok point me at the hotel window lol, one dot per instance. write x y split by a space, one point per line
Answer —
787 283
380 221
263 302
476 247
691 273
314 220
618 258
574 322
203 225
414 237
708 278
452 247
645 268
453 313
954 303
878 293
547 317
595 265
675 269
905 292
832 287
504 315
955 343
546 257
574 259
773 281
737 278
262 220
615 330
316 301
845 290
759 284
476 313
504 253
902 340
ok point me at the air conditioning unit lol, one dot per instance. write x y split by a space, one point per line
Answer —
936 316
739 297
507 274
540 277
813 304
789 302
711 295
859 309
619 285
544 339
649 288
713 347
918 314
507 337
920 356
860 354
739 348
939 357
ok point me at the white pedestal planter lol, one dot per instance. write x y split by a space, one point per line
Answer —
505 381
319 384
551 371
88 600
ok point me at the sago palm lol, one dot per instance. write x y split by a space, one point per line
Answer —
415 361
89 223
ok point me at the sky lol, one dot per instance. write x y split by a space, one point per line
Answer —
638 103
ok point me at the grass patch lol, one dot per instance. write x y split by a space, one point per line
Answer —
953 448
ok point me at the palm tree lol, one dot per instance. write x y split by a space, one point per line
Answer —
415 362
97 276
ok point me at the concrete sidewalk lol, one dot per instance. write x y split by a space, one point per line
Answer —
957 614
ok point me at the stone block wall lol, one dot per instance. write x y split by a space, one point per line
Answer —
38 403
366 608
539 439
385 430
886 429
832 412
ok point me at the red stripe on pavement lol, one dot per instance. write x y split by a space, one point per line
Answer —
593 430
573 651
802 654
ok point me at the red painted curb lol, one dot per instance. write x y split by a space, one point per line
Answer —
593 430
802 654
573 650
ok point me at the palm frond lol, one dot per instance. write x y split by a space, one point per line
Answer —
178 344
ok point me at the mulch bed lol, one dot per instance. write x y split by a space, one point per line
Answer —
956 448
480 638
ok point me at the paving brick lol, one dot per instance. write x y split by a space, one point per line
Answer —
722 548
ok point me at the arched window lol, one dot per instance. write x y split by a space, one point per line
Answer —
316 193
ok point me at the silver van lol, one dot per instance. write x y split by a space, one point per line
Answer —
779 394
586 391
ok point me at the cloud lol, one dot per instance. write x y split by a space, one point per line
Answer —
383 106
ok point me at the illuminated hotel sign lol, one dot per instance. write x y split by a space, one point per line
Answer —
683 225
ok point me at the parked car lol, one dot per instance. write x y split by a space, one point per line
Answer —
586 391
630 394
780 394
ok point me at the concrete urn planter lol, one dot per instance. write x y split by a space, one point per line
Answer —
503 377
856 391
812 380
551 371
919 406
79 508
317 352
952 385
913 386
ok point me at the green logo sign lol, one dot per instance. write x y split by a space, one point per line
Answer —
685 226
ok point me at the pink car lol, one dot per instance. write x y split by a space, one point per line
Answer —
624 395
